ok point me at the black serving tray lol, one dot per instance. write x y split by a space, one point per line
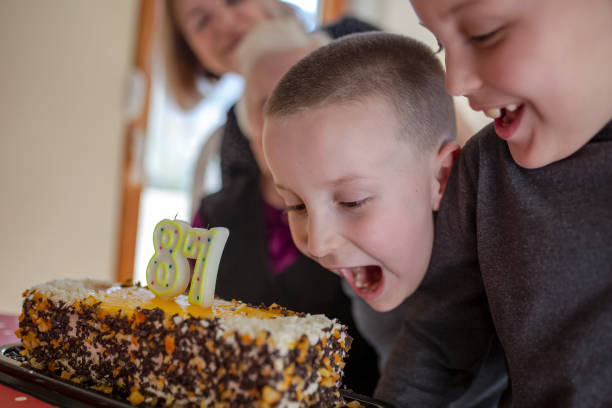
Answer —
56 391
367 402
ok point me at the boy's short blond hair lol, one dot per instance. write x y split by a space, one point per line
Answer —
402 70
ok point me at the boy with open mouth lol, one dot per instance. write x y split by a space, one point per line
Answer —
521 253
360 138
360 156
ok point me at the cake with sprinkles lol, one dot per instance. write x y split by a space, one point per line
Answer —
128 342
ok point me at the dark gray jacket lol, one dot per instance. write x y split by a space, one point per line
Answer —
523 256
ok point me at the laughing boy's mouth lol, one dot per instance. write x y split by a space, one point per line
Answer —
505 115
364 279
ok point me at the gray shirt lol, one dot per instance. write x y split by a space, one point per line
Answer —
522 258
382 329
378 328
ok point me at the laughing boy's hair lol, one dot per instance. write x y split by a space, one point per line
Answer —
399 69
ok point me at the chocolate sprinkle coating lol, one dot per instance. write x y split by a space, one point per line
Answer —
149 356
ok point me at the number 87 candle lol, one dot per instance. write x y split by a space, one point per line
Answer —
168 270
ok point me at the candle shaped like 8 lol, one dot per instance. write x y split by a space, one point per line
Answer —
168 270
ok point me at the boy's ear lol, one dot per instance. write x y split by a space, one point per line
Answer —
443 162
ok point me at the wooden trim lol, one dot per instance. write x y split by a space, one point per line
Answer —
131 187
332 10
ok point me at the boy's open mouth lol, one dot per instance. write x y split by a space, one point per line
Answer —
364 279
506 118
505 115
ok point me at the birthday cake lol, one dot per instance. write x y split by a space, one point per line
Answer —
161 347
129 342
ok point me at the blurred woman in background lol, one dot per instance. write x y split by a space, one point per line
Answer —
204 36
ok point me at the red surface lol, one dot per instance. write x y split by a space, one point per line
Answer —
10 397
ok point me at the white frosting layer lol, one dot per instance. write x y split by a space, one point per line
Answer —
285 331
71 290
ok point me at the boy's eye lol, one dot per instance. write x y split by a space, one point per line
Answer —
353 204
484 38
295 208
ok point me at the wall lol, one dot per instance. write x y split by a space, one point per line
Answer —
63 73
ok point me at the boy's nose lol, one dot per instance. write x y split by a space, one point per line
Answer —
461 77
322 238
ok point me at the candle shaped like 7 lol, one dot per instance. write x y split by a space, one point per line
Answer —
168 271
206 246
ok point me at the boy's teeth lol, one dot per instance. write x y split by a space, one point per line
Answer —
360 277
493 113
362 282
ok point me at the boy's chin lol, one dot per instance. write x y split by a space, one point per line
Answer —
541 150
394 294
385 303
530 158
